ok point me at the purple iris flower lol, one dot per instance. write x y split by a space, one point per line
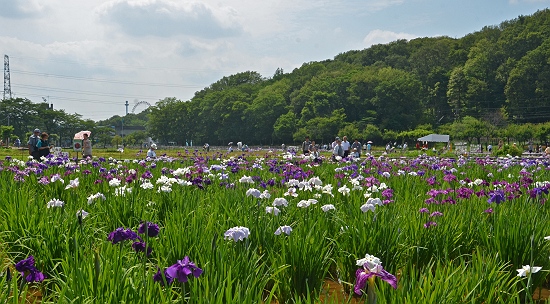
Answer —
182 269
362 275
430 224
121 234
538 192
151 229
497 197
160 276
140 247
26 266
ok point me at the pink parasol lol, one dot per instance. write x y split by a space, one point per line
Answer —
80 135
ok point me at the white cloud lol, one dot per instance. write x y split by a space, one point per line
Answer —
382 37
16 9
163 18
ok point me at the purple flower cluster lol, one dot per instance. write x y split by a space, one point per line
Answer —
149 229
497 197
362 276
121 234
180 271
28 270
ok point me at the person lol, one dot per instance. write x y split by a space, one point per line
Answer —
283 146
17 143
490 148
405 146
305 146
314 151
206 147
417 145
530 147
311 147
346 146
43 145
369 148
335 142
547 151
151 152
338 150
86 147
33 140
357 146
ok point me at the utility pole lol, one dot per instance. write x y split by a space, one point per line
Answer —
7 82
122 133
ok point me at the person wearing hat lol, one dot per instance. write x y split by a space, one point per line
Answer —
86 146
335 142
151 153
33 140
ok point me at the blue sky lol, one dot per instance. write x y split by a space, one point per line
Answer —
90 56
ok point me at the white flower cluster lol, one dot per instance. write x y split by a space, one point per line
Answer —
280 201
55 203
121 191
238 233
306 203
73 184
370 262
246 179
283 229
272 210
371 204
181 171
328 207
92 198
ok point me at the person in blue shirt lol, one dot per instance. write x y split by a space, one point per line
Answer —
43 145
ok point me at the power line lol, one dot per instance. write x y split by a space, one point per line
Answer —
129 66
106 80
82 92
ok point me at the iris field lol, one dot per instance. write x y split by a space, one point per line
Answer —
268 227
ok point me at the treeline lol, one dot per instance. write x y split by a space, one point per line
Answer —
497 76
20 116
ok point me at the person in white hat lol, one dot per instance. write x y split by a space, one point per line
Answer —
151 153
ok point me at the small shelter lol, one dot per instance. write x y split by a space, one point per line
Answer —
435 138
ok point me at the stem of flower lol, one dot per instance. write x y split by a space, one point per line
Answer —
371 294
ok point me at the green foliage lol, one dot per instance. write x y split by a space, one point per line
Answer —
508 150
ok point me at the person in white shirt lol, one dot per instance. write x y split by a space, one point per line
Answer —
151 153
346 146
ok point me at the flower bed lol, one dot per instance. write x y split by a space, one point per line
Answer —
209 228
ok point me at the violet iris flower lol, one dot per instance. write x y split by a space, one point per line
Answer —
497 197
140 247
158 277
121 234
182 269
26 266
363 275
149 228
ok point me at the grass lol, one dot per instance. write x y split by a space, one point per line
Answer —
467 256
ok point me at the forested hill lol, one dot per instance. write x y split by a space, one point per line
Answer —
498 75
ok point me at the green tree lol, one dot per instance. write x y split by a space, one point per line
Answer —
285 127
